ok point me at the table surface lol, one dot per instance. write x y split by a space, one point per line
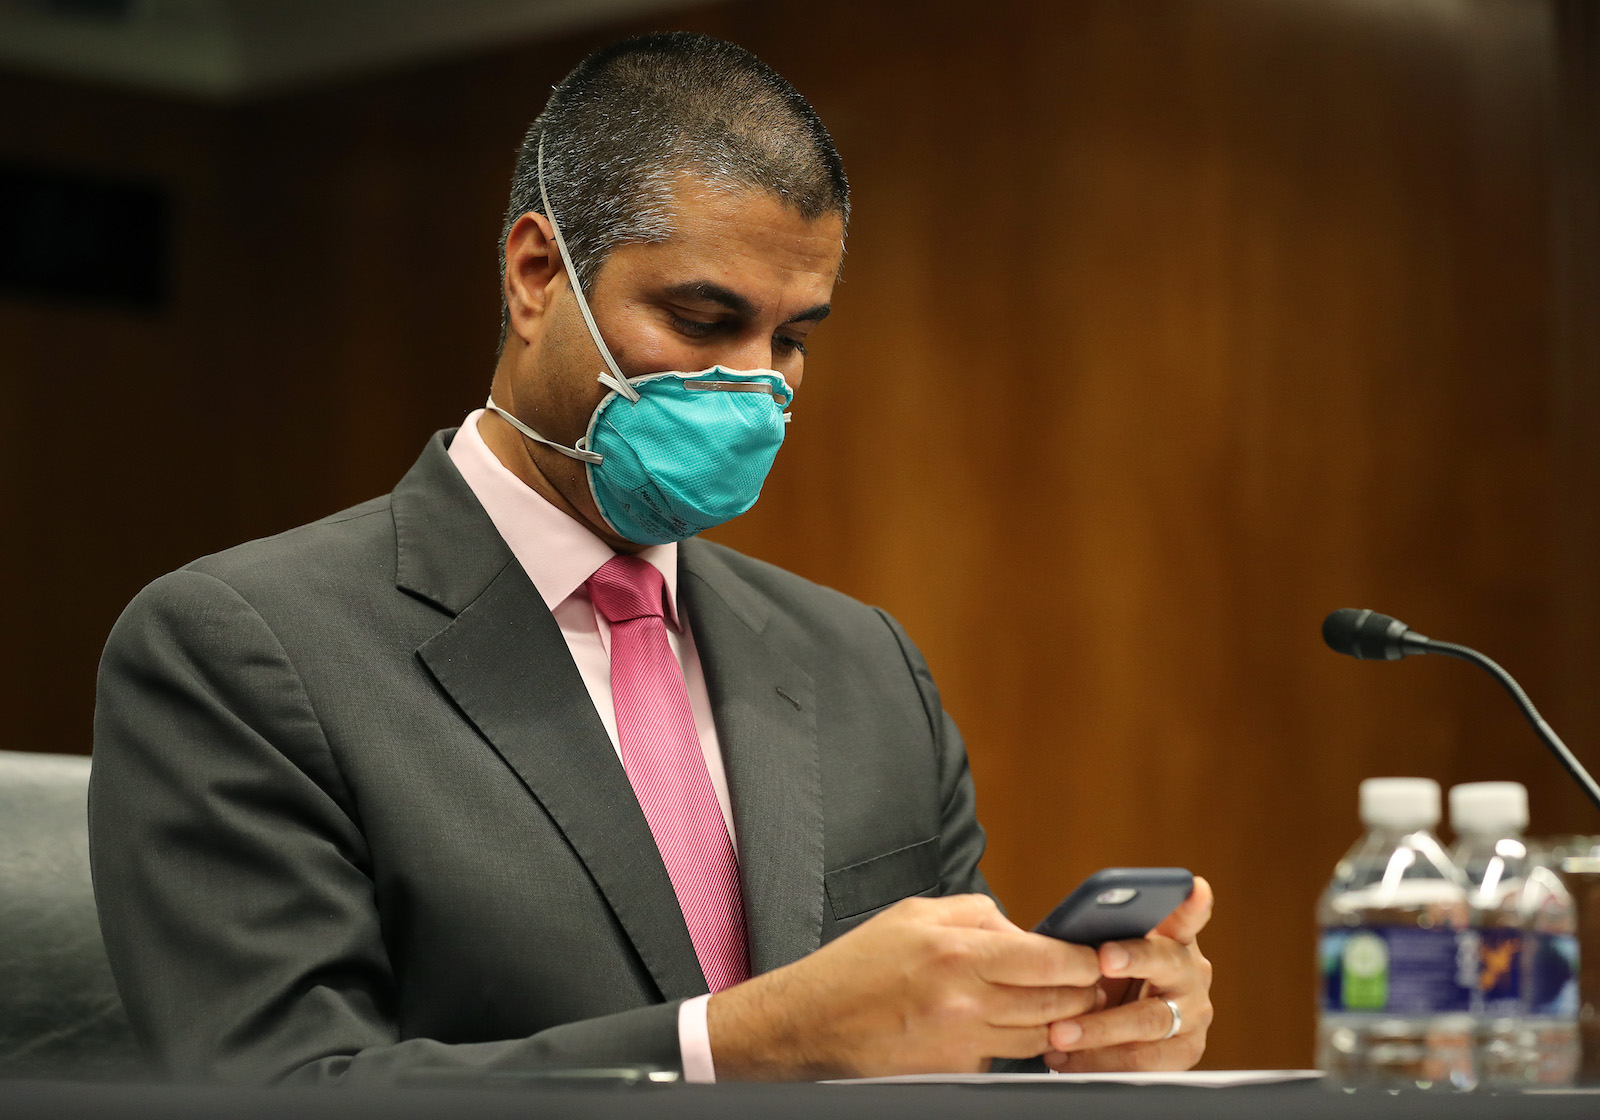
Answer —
64 1101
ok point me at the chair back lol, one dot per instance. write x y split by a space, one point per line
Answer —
59 1011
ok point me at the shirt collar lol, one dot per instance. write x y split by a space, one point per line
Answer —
558 552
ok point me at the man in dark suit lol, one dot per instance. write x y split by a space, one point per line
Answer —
494 773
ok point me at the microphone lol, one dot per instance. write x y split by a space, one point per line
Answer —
1369 636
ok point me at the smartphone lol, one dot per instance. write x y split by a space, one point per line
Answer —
1118 904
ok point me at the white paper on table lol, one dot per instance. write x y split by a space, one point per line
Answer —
1205 1078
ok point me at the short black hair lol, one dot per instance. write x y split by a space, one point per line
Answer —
621 128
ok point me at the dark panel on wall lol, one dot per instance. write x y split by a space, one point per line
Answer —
1164 329
68 237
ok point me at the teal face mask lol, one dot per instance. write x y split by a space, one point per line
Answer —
688 451
671 454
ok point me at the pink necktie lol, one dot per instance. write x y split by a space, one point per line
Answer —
661 754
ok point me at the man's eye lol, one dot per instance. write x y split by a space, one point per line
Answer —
694 328
787 344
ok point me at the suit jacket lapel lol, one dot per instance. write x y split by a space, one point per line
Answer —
506 666
765 711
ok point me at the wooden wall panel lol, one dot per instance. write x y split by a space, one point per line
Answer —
1575 400
1165 328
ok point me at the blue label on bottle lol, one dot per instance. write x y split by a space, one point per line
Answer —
1553 974
1499 971
1396 970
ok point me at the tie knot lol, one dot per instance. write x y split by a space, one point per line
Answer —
626 588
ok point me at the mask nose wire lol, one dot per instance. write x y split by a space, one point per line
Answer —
615 378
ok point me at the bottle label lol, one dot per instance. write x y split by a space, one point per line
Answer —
1553 974
1499 970
1397 970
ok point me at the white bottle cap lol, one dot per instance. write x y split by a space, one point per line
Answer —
1400 803
1499 808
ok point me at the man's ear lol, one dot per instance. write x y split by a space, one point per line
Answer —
533 267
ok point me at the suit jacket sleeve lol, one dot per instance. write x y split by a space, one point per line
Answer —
234 884
961 841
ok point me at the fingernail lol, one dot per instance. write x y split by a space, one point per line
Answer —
1114 957
1066 1034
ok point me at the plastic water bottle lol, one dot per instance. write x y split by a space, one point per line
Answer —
1489 819
1395 969
1552 970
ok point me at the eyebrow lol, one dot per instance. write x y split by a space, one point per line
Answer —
712 292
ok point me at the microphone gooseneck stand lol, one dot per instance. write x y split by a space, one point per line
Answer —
1370 636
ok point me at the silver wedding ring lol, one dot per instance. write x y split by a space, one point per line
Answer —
1177 1020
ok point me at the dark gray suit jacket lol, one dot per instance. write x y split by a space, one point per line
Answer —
353 813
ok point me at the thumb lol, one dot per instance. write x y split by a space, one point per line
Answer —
1185 923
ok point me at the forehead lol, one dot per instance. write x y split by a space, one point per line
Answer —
744 239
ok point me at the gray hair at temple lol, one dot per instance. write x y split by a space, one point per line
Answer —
634 116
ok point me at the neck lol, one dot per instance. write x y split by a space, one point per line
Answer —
557 479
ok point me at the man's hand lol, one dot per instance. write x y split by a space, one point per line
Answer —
931 984
1132 1035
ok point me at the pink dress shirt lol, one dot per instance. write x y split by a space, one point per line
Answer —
559 554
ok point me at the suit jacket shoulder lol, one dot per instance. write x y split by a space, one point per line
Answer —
360 538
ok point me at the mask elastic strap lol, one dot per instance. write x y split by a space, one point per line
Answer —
579 452
615 379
